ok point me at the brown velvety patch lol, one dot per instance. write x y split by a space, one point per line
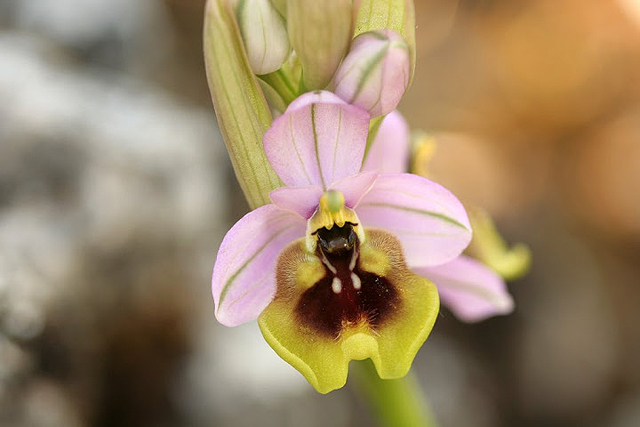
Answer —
372 300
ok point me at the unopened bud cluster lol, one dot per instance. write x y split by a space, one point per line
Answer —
261 55
371 71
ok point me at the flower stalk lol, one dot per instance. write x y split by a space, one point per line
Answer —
397 403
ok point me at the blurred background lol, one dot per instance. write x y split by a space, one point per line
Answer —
115 191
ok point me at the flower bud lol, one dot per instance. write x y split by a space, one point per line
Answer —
320 33
375 73
264 33
396 15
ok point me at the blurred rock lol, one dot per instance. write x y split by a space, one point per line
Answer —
117 34
98 167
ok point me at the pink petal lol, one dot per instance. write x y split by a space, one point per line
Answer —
429 221
243 281
389 152
469 289
301 200
354 188
317 143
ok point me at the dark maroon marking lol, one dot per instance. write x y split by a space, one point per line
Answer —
338 240
325 311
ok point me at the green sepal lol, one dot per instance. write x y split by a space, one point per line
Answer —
286 88
242 111
276 103
490 247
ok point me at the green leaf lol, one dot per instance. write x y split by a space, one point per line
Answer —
242 111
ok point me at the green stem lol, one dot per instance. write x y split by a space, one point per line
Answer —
397 403
282 84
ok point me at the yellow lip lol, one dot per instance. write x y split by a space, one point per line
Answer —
390 335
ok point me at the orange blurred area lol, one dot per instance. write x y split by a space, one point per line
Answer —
115 192
534 105
544 97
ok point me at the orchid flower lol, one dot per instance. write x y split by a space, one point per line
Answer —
327 266
471 290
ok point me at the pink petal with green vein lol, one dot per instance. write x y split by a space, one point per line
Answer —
469 289
317 143
389 152
430 222
243 281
